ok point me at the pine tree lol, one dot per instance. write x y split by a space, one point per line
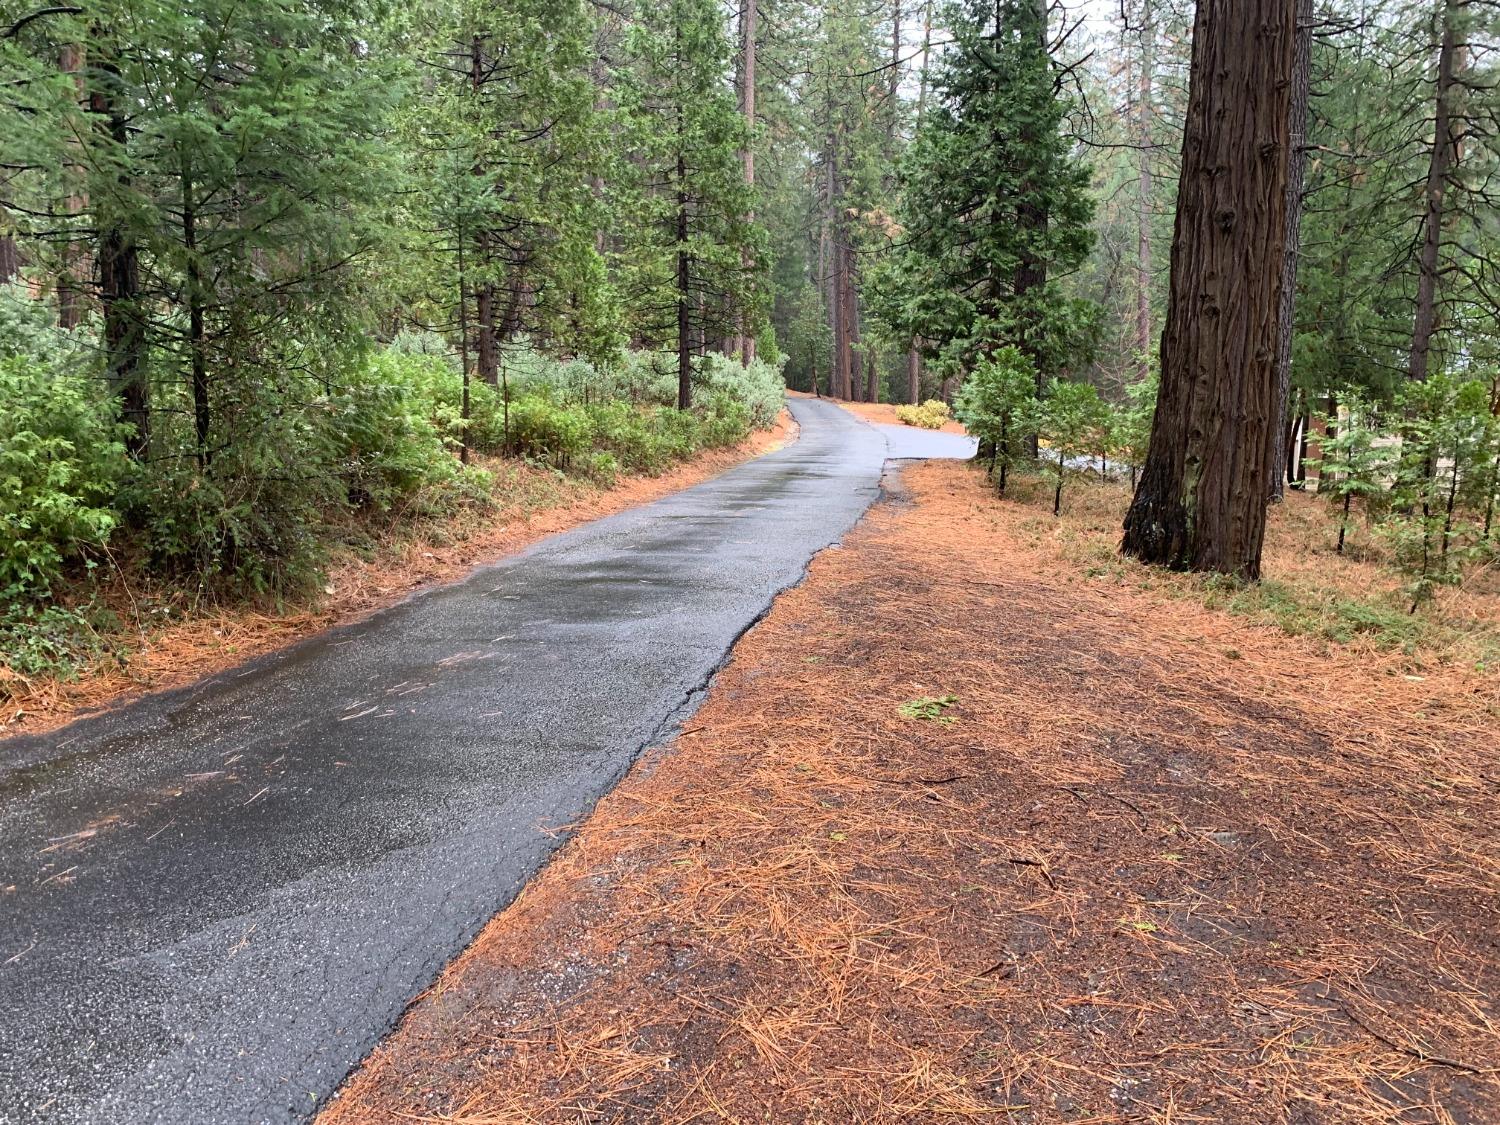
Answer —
690 237
995 208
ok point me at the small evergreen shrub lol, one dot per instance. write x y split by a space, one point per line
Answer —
61 461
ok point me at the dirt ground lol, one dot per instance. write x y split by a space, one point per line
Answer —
530 504
964 832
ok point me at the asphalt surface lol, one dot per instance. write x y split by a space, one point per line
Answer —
214 901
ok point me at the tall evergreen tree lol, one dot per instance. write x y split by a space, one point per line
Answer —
691 245
995 206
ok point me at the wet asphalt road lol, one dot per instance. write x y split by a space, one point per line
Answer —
214 901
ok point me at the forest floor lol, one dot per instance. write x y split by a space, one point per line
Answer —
167 639
977 824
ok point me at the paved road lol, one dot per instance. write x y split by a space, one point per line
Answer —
908 441
214 902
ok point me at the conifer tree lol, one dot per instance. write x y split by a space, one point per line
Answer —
995 207
690 236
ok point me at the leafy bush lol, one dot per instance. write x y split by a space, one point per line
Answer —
649 379
61 459
39 639
758 387
931 415
547 431
388 427
247 521
28 330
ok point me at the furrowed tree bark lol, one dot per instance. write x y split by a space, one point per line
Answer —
1444 157
1296 168
10 259
1201 500
838 380
913 353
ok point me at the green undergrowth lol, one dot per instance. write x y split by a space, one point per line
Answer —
380 449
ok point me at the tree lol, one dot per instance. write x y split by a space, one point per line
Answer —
997 404
691 237
1287 309
1068 418
995 206
1201 499
1353 464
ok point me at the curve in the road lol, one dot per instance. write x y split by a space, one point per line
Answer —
214 901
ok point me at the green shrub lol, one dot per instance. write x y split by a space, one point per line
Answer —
726 423
61 460
758 387
546 431
391 428
38 639
601 466
248 521
997 404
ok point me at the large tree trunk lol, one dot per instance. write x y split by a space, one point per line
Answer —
1201 500
1440 166
197 334
488 359
10 259
853 379
838 377
1287 314
1031 271
913 352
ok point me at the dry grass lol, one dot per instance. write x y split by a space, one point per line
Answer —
169 641
1356 601
1136 878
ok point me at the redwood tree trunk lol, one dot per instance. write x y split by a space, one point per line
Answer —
913 353
1201 500
1143 202
488 360
10 258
